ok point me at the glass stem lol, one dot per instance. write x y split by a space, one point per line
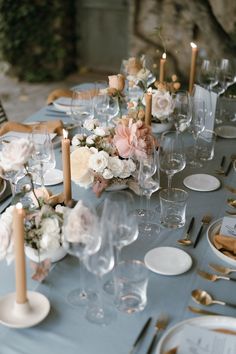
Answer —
81 278
169 179
41 174
99 296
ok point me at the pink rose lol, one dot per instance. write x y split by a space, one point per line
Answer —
117 82
130 140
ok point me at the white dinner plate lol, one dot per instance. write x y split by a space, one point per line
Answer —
63 104
52 177
202 182
211 231
171 338
168 260
226 131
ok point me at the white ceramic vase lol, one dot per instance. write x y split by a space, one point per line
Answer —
55 255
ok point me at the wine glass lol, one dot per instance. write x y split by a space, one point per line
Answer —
182 110
124 226
113 109
208 76
197 126
82 240
81 105
42 152
149 182
101 105
100 263
171 154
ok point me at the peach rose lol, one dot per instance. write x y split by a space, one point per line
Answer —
117 82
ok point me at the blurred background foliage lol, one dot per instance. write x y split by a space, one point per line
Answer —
45 30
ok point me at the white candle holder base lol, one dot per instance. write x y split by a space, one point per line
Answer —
23 315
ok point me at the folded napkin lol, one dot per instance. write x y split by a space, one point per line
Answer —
225 244
55 126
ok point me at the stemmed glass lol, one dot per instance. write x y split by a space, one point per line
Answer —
81 105
101 263
182 111
149 182
81 244
101 105
172 157
124 226
197 126
42 152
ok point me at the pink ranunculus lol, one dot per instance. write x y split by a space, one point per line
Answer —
130 140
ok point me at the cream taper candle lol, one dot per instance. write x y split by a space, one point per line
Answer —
19 237
148 107
65 147
193 66
162 67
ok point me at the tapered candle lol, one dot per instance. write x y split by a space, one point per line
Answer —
20 272
193 66
148 107
162 67
65 147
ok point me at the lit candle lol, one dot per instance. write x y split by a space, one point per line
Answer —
20 272
193 66
162 67
65 147
148 107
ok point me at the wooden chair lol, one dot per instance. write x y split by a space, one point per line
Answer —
3 115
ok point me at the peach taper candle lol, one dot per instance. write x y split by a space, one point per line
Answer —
148 107
162 67
65 147
193 66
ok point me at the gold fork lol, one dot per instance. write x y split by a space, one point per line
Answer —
160 325
206 219
230 189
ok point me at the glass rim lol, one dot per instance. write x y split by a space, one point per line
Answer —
166 190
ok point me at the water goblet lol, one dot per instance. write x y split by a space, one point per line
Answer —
81 244
81 105
182 111
171 154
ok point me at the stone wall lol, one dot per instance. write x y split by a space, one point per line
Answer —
210 24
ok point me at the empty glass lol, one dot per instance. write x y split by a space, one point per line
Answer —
171 154
182 110
173 202
81 105
205 145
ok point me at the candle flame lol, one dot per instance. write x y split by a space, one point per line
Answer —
164 56
65 133
19 206
193 45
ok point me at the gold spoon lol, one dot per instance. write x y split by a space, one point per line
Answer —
221 269
202 297
231 202
186 240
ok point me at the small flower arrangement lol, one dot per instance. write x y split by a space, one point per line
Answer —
107 155
137 72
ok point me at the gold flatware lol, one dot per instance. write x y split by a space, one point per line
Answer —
205 221
202 297
230 212
141 334
186 239
231 202
230 189
222 162
212 277
201 311
160 325
221 269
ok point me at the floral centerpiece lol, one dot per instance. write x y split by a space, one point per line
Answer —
107 155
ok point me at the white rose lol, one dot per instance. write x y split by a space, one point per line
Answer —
99 161
89 140
15 154
6 241
162 104
99 131
128 168
115 165
80 172
77 139
80 224
90 124
107 174
50 234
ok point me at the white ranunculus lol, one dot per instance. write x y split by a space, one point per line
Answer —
99 161
128 168
15 154
99 131
162 104
107 174
89 140
115 165
50 234
90 124
80 224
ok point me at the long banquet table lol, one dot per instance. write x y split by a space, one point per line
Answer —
66 330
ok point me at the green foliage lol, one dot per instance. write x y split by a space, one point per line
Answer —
38 38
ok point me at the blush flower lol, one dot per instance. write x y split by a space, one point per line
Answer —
162 104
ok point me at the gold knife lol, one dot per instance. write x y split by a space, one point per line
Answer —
212 277
203 312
